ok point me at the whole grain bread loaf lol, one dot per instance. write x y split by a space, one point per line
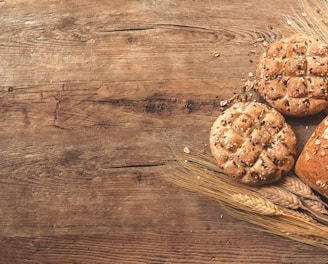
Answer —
312 164
252 143
292 75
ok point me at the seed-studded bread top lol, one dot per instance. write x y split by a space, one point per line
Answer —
292 75
253 143
312 164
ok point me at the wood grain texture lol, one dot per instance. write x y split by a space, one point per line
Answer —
91 94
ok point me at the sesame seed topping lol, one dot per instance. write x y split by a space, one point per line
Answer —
325 134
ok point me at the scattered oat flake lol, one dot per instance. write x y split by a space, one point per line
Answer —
223 103
265 43
186 150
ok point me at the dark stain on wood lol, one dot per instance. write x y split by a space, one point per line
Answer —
158 104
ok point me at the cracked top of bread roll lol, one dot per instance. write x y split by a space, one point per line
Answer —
252 143
292 75
312 164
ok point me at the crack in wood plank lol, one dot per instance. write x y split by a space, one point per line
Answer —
145 165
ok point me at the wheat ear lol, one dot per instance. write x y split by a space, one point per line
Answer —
294 185
257 204
280 197
315 205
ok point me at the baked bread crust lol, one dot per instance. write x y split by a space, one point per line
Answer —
292 75
252 143
312 164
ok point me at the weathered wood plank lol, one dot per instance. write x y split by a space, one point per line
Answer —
91 94
206 246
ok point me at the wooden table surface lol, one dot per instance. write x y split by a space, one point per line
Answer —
92 95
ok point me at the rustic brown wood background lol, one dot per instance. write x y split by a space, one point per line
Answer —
91 94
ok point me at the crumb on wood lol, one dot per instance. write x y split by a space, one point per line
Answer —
247 93
186 150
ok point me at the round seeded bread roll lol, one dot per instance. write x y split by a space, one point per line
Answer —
252 143
292 75
312 164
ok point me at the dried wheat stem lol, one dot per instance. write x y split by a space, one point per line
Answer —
299 215
312 20
315 205
196 171
257 204
295 227
280 197
322 218
294 185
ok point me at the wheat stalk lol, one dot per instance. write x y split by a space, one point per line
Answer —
287 200
257 204
275 209
291 225
309 201
299 215
312 20
280 197
294 185
315 205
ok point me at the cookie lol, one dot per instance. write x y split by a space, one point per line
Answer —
253 143
292 75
